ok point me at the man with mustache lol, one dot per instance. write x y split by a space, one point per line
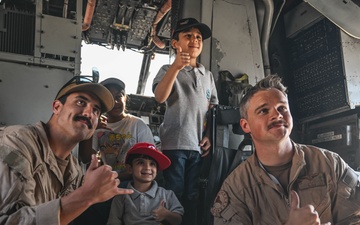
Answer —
284 182
41 182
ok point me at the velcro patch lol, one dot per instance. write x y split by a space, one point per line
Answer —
311 182
351 179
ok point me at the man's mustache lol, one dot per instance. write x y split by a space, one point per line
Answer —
84 118
277 123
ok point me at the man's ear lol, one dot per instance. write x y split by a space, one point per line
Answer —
56 106
245 125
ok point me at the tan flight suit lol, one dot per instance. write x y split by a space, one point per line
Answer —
320 177
31 182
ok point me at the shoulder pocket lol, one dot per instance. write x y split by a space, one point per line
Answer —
349 183
15 161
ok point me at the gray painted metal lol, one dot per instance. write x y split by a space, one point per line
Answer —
236 40
27 92
345 14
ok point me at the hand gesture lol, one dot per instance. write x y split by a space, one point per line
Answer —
182 58
302 216
102 124
160 212
101 183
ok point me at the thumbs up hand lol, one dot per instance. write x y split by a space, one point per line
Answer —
306 215
182 58
159 213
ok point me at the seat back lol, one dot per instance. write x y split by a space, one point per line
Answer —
216 168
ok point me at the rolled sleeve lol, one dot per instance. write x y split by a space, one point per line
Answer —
48 213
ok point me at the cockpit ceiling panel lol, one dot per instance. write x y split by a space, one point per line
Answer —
103 17
125 24
141 25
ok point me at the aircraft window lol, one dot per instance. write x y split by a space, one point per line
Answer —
124 65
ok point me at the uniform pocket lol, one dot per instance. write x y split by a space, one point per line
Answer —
314 190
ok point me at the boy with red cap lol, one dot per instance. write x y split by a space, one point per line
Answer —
149 204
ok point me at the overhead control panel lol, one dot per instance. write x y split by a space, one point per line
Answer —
324 67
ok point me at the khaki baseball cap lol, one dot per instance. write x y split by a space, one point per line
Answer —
78 83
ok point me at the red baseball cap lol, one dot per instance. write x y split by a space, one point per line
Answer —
148 149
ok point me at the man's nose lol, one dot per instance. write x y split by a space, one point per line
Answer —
88 111
276 114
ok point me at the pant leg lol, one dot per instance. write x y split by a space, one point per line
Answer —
174 174
190 198
182 177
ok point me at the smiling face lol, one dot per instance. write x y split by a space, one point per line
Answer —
190 42
268 117
78 116
144 170
118 111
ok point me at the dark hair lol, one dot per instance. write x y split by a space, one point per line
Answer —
176 36
269 82
62 99
131 158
